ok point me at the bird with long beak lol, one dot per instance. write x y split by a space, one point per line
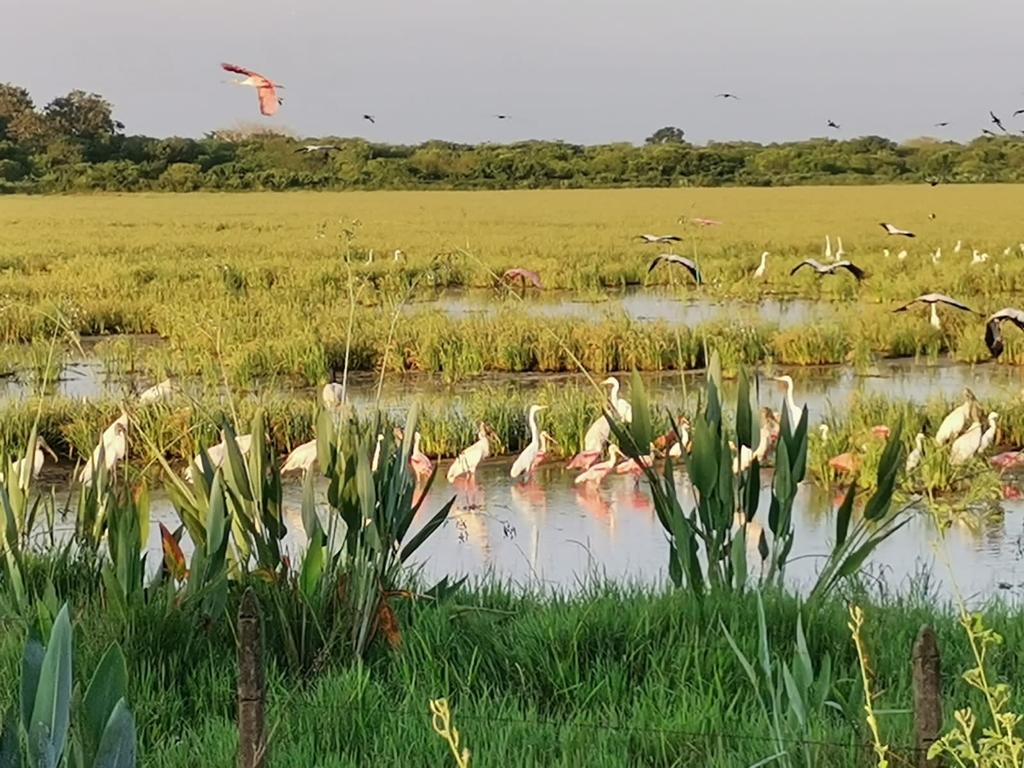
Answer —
19 468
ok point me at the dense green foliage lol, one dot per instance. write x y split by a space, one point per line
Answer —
75 144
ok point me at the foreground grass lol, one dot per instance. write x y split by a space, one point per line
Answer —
609 678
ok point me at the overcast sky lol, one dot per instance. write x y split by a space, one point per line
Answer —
586 71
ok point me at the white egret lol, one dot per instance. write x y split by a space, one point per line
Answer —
594 442
993 328
523 464
902 255
38 460
620 405
828 248
467 461
958 246
759 272
302 458
794 412
915 456
840 252
957 419
111 449
745 457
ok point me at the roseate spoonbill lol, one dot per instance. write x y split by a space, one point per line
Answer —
957 419
218 453
421 464
672 258
621 406
524 276
524 462
993 328
1008 460
794 412
18 467
759 272
647 238
633 467
112 448
265 88
830 269
302 458
895 231
594 442
597 472
915 456
467 461
933 300
745 457
162 391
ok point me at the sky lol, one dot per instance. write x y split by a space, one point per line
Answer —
583 71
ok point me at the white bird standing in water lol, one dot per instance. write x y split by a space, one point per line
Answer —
332 396
620 405
957 247
523 464
828 248
990 434
38 460
791 406
759 272
375 461
957 419
419 461
302 457
745 457
112 448
840 253
162 391
967 445
594 442
218 453
915 456
597 472
467 461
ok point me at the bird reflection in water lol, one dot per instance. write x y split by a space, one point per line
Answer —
475 497
589 498
634 498
471 525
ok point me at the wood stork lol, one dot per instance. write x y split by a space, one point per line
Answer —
595 473
682 261
759 272
830 269
795 412
18 468
933 300
594 442
467 461
111 449
915 456
523 465
265 88
957 419
218 454
162 391
891 229
745 456
648 238
421 464
301 459
332 396
621 405
993 328
967 445
989 435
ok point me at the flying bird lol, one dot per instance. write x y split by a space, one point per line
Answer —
1018 112
893 230
997 122
943 124
660 238
830 269
987 132
503 117
266 89
370 118
993 328
309 149
933 300
682 261
832 124
727 96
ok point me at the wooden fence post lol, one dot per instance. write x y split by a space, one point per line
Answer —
252 731
927 695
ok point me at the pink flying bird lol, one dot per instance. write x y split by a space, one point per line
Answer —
265 89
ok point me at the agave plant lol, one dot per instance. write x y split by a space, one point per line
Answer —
105 733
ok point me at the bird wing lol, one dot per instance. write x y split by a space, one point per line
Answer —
850 267
670 239
887 227
944 299
1018 112
804 263
268 100
655 262
241 70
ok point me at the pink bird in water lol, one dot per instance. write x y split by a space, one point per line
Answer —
706 222
597 472
634 467
421 464
265 88
524 276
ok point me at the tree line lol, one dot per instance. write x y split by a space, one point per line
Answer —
74 143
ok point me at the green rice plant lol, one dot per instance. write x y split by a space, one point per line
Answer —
127 540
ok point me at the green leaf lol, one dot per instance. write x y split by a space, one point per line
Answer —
117 745
703 464
312 566
108 686
843 516
888 468
426 531
10 748
216 520
31 664
744 417
796 701
51 714
640 429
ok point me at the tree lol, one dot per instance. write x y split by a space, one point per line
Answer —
82 115
667 135
19 120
